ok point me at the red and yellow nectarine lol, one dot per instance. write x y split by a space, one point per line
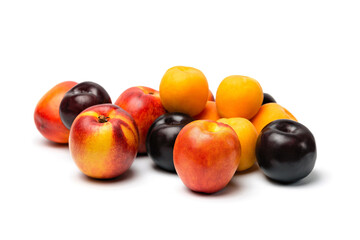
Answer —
103 141
144 105
47 117
206 155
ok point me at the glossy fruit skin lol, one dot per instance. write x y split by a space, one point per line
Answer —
161 138
286 151
46 115
184 89
268 99
206 155
80 97
238 96
103 149
144 105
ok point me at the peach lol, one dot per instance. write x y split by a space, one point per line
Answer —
184 90
46 116
209 112
144 105
239 96
270 112
103 141
247 135
206 155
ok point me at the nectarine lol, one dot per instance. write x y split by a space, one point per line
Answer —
47 117
103 141
206 155
144 105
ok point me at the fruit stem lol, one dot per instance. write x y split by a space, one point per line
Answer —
103 119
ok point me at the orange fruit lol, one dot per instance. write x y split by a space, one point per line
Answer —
184 89
270 112
239 96
209 112
247 135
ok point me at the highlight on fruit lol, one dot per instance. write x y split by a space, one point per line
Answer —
183 128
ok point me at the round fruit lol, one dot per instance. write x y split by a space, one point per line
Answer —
161 138
286 151
206 155
238 96
103 141
270 112
184 89
144 105
247 135
46 116
268 99
79 98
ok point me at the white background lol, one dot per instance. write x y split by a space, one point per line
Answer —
305 54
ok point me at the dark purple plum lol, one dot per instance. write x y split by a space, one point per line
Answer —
286 151
80 97
161 138
268 99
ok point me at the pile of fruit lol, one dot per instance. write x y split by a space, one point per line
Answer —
181 127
